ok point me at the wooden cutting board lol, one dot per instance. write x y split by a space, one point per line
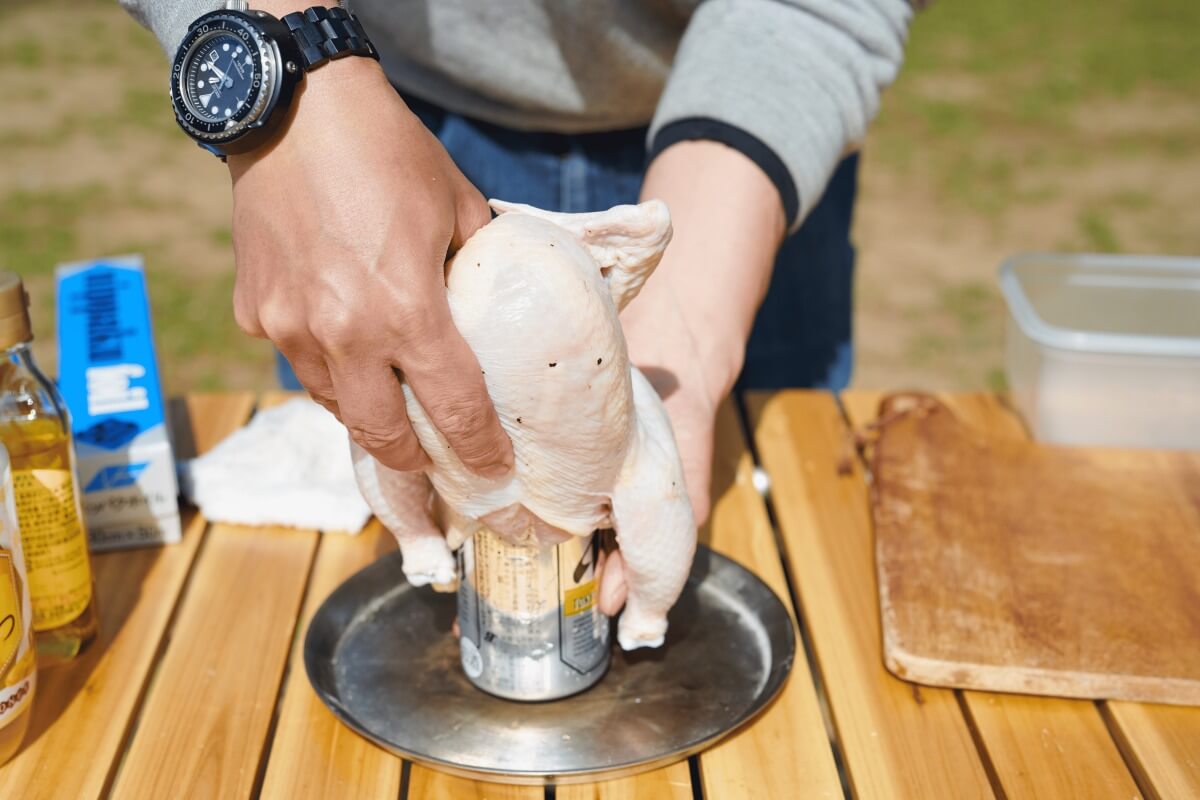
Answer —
1009 566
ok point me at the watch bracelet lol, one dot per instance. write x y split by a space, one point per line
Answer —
324 33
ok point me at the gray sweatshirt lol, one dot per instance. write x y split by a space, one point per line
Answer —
790 83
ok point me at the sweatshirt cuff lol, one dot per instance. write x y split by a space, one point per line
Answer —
749 145
169 21
801 78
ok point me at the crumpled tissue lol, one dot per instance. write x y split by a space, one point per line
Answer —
289 466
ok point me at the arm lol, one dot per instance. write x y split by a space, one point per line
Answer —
341 228
791 83
687 330
764 99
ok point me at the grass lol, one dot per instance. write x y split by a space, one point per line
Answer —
1098 232
1021 70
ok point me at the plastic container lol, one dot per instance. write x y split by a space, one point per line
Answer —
1105 350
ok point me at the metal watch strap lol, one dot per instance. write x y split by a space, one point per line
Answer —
326 33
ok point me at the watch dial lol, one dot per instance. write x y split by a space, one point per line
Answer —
219 80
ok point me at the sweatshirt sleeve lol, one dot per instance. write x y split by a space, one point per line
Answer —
169 19
790 83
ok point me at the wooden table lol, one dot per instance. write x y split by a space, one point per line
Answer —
195 688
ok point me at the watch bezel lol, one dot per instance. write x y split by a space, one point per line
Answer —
264 50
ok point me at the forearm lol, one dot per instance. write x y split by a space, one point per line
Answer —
728 222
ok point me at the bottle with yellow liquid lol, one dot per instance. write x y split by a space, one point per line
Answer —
36 431
18 668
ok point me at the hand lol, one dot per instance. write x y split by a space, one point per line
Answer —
341 229
688 328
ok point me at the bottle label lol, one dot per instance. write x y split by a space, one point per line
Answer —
12 627
60 578
16 667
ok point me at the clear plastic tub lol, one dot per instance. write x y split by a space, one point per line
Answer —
1105 350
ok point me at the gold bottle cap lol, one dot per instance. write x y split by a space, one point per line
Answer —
14 311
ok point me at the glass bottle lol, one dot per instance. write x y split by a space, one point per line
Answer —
18 667
36 431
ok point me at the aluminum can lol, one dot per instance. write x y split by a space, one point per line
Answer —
528 621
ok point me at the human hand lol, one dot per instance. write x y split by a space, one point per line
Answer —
341 230
688 328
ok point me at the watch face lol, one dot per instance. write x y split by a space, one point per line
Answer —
225 78
219 78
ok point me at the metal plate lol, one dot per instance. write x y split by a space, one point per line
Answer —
380 654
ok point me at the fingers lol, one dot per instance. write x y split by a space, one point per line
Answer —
611 574
371 405
445 376
309 365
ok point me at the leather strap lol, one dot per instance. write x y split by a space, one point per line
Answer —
324 33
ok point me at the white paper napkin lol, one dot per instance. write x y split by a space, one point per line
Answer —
289 466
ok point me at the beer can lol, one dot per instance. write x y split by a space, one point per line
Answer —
529 625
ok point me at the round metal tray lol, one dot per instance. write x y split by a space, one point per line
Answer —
380 654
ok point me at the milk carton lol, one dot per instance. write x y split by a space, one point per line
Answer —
108 376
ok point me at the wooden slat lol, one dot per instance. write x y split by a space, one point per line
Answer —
1038 746
898 740
786 751
1161 743
670 783
425 784
785 748
313 754
208 710
85 707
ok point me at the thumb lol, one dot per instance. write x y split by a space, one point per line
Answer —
610 572
471 214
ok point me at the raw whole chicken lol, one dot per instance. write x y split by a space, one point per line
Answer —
536 296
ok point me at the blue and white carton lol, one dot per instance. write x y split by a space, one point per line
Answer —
108 375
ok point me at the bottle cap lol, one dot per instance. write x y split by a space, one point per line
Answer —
14 311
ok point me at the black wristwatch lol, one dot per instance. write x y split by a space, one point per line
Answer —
236 71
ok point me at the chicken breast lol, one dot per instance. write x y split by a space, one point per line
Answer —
536 296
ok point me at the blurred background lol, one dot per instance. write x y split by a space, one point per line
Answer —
1018 125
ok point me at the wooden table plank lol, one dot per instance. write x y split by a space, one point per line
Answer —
85 707
426 784
1161 743
785 752
208 711
898 740
670 783
313 754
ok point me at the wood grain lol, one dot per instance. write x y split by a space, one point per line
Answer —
425 784
90 702
786 751
1047 570
1162 743
898 740
787 746
670 783
1038 746
313 754
208 710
